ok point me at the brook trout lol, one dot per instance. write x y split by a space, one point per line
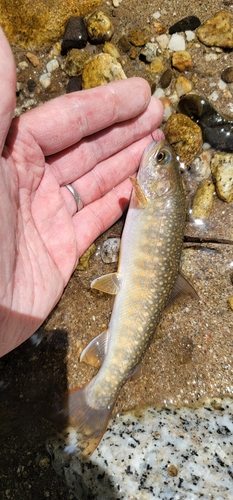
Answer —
147 275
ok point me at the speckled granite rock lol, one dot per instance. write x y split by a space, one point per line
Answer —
203 200
222 169
181 454
184 135
218 30
20 20
102 69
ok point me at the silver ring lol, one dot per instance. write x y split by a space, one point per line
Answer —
76 196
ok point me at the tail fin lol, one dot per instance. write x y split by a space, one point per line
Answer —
87 424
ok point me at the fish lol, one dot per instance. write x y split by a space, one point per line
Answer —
147 279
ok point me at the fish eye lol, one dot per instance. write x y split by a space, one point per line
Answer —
162 156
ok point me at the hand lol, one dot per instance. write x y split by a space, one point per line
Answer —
92 139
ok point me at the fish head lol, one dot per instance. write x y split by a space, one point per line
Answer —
158 171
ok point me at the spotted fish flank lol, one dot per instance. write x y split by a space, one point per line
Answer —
148 273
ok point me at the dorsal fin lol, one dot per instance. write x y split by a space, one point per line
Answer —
108 283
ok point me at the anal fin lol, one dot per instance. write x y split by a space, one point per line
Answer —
95 351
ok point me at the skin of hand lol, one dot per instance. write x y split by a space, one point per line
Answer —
93 139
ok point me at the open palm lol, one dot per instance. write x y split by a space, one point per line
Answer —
93 139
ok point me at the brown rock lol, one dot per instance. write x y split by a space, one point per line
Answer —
102 69
75 62
99 27
183 86
227 74
218 30
33 59
33 24
184 135
222 170
182 60
203 200
138 38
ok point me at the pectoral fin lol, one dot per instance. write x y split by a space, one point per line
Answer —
182 287
95 352
141 197
109 283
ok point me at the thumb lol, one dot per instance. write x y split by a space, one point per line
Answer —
7 87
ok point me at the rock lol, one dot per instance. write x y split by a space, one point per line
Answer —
182 60
230 302
203 200
159 28
200 166
217 129
52 65
102 69
184 135
110 250
222 169
163 41
33 24
75 62
99 27
31 85
218 30
33 59
166 107
74 84
187 23
183 86
165 78
157 65
138 38
83 262
149 52
124 44
75 36
177 42
111 49
227 74
45 80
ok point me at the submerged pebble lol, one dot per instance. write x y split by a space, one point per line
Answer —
182 60
203 200
184 135
217 129
185 24
110 250
200 166
99 27
83 262
222 169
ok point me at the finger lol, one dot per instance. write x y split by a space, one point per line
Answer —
7 87
107 174
94 219
64 121
76 161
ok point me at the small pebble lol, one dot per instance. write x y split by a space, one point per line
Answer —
52 65
45 80
31 85
83 262
33 59
230 302
111 49
185 136
159 28
187 23
74 84
75 36
149 52
182 60
110 250
163 41
138 38
222 169
124 44
75 62
23 65
203 200
177 42
200 166
227 74
165 78
99 27
183 86
157 65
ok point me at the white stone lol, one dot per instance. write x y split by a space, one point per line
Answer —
45 80
159 93
190 35
52 65
177 42
222 85
156 15
163 41
214 96
23 65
